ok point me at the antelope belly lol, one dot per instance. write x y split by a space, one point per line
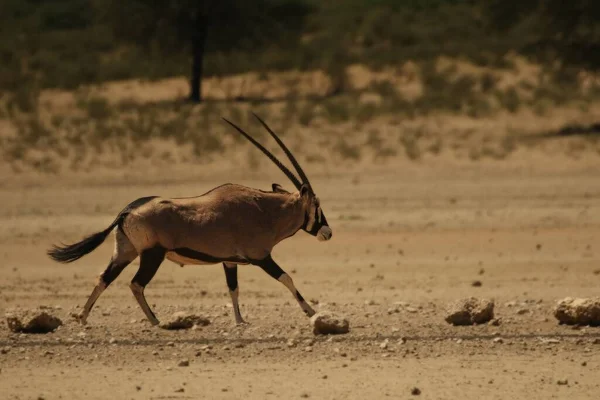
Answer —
183 260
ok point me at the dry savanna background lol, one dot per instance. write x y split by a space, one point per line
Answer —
454 146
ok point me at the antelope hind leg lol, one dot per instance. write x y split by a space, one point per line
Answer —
123 255
150 260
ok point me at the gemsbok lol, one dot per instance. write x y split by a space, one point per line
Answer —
230 224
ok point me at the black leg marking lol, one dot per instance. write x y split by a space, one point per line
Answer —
271 268
108 276
275 271
232 284
150 260
113 271
231 276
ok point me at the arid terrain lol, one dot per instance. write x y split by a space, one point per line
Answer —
409 238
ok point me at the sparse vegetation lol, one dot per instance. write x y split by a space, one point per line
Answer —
459 80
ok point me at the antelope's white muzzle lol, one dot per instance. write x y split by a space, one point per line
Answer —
324 233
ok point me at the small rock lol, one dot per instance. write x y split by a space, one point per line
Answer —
476 284
112 341
470 311
184 363
562 382
184 320
578 311
522 311
384 344
180 390
33 321
495 322
325 323
498 340
415 391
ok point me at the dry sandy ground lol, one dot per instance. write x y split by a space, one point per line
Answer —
406 243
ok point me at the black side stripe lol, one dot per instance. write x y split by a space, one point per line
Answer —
207 258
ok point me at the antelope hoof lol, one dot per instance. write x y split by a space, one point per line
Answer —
81 318
242 323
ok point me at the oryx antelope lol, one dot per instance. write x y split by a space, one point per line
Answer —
230 224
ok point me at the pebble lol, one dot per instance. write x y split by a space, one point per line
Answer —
184 363
415 391
562 382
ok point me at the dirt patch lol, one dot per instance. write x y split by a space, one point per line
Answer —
424 234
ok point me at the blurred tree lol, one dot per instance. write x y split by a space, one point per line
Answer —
199 26
569 28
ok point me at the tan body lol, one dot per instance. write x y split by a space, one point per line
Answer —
229 222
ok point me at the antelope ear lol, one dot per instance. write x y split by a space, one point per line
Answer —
303 190
278 189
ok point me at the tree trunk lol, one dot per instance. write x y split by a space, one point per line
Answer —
198 43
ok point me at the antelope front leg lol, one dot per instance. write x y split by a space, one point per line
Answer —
232 284
274 270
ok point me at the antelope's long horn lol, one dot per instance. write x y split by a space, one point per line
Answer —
303 176
266 152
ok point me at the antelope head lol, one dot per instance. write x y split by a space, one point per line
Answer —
315 222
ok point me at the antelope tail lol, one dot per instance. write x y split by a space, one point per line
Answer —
72 252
